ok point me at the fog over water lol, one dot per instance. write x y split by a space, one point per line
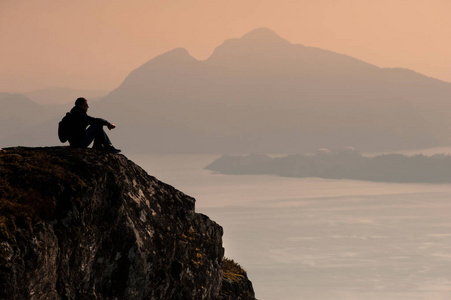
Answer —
311 238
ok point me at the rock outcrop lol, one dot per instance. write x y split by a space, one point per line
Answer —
83 224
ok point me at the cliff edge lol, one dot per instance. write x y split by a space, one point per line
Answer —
82 224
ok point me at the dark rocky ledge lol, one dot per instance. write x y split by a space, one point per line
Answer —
83 224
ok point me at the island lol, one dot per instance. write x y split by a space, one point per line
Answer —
342 164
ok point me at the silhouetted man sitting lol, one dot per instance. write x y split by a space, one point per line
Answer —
82 136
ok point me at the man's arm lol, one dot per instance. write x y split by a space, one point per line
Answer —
95 121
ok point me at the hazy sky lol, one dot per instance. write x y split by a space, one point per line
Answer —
95 44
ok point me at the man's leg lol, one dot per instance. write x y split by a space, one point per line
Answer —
97 134
101 141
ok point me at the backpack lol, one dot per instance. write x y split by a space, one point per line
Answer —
65 128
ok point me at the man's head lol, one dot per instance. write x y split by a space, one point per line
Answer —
82 103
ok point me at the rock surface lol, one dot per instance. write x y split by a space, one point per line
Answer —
83 224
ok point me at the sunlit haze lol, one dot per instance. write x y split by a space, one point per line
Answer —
95 44
317 133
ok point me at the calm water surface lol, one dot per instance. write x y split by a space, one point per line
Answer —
310 238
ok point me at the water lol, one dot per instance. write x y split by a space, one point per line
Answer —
310 238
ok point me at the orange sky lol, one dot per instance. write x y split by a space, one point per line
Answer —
95 44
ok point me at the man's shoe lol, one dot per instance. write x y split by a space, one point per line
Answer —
111 149
98 147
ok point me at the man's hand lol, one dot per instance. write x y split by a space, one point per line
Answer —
111 126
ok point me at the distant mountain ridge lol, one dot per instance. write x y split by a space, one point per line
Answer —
60 95
260 93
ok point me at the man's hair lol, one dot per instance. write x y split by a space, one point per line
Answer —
80 101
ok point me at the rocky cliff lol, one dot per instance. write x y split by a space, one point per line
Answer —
83 224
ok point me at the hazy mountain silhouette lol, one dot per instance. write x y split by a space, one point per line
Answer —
61 95
19 115
260 93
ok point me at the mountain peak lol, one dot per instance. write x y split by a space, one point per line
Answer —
165 62
263 34
177 53
260 40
